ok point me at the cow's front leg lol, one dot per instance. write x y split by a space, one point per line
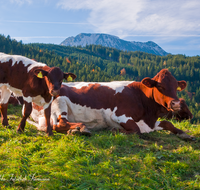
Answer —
27 109
130 127
4 119
47 114
5 95
64 126
166 125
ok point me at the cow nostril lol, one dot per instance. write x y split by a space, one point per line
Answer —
172 103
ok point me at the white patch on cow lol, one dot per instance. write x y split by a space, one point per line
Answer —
27 99
39 100
15 91
118 86
64 117
39 119
144 128
17 58
121 118
35 64
5 94
23 109
58 106
54 118
157 128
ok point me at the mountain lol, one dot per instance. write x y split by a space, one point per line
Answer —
107 40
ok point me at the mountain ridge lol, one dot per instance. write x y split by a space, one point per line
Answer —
108 40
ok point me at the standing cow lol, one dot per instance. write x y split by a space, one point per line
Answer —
130 107
34 81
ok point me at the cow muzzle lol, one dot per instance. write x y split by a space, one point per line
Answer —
54 92
175 105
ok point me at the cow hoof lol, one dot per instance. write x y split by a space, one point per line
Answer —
8 127
74 131
86 132
186 137
19 131
50 134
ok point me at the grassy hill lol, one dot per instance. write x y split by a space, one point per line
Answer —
158 160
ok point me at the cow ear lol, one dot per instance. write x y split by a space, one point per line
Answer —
181 85
148 82
40 73
69 76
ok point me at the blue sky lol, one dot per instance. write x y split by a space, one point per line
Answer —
173 24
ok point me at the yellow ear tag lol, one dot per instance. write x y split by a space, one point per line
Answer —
179 88
40 75
69 78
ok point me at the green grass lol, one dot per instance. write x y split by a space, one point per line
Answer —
158 160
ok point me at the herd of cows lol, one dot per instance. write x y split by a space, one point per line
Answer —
83 107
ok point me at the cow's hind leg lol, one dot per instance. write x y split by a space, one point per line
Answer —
166 125
130 127
27 108
5 95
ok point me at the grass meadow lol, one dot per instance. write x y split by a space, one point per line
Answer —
157 160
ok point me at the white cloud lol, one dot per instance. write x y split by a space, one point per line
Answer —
140 17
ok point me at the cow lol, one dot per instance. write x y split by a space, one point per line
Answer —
183 114
127 106
34 81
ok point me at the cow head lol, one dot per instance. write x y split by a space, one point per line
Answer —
184 112
164 88
54 77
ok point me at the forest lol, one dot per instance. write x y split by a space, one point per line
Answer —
97 63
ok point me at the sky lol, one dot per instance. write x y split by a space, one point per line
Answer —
173 24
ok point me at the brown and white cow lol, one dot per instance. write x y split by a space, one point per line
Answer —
130 107
183 114
34 81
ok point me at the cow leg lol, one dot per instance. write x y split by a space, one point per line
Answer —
130 127
47 114
166 125
4 119
27 109
5 95
64 126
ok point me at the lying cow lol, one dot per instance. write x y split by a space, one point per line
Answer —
130 107
183 114
34 81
